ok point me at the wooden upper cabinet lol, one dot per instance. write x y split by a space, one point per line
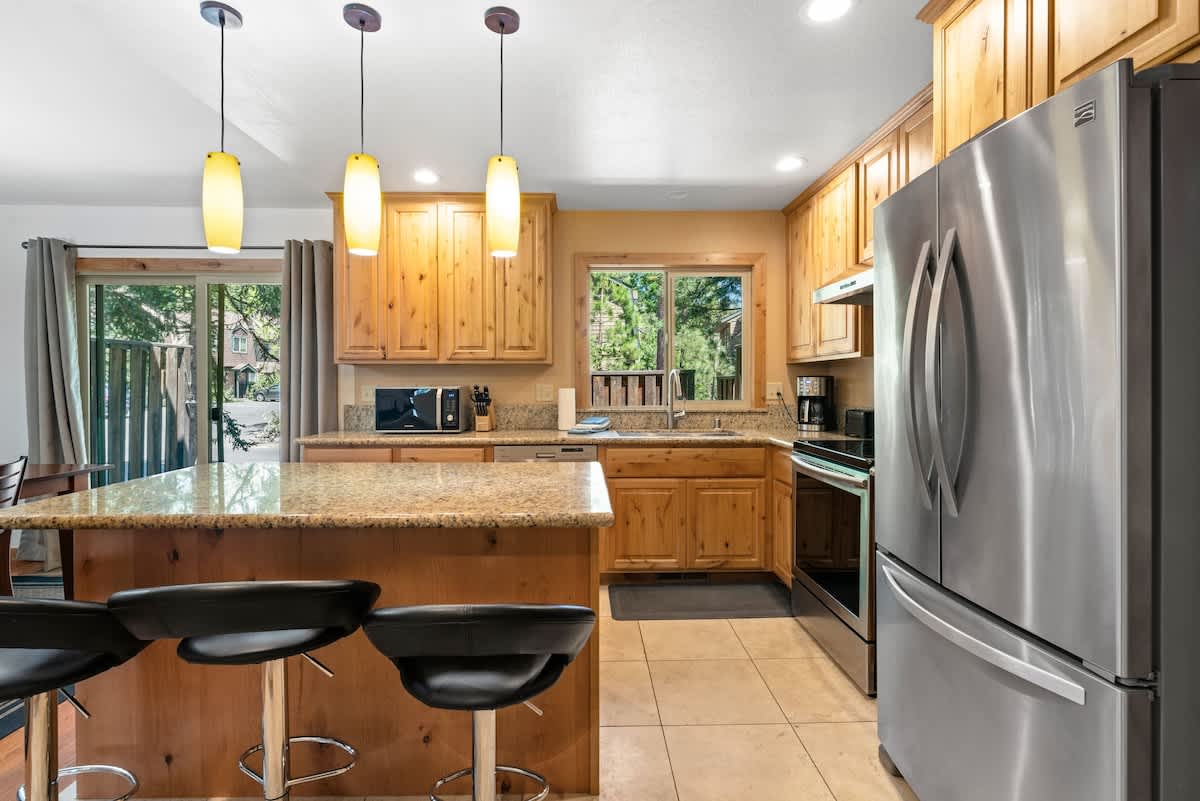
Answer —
435 294
914 145
801 329
1083 36
980 68
523 305
878 172
468 276
837 220
358 287
410 248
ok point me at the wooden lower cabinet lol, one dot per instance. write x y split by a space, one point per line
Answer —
670 524
347 454
441 455
783 507
651 525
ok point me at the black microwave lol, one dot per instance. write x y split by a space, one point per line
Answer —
419 410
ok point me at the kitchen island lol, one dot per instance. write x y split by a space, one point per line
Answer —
426 533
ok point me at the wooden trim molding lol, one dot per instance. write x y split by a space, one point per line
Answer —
932 10
757 262
170 266
882 132
459 197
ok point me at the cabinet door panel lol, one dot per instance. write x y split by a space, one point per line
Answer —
801 325
650 524
440 455
878 171
837 215
347 455
915 145
980 68
468 297
727 522
359 286
523 290
411 260
782 535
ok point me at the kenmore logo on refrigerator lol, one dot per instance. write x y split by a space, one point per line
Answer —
1085 113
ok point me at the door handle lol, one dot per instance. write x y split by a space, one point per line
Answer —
946 261
920 277
1010 664
828 476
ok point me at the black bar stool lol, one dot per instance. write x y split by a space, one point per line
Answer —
481 658
45 646
255 623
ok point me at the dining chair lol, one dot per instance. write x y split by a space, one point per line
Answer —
11 475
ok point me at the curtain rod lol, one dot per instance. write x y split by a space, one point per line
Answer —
25 245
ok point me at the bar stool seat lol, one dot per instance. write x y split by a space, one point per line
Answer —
481 658
44 647
255 623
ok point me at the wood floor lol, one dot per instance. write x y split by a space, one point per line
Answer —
12 752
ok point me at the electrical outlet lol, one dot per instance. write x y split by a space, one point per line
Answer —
543 392
366 394
774 389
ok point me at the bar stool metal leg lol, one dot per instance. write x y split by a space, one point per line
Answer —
41 747
483 768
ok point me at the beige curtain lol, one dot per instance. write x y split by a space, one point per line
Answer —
53 402
308 390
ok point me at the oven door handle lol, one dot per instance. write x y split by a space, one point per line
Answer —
828 476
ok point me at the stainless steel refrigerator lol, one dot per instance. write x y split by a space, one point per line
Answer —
1037 339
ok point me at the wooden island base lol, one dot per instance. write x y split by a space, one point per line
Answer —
181 728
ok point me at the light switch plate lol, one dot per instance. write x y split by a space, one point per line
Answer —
774 390
366 394
543 392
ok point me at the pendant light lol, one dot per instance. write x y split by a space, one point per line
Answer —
362 201
503 189
221 195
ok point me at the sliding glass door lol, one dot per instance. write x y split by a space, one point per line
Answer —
180 371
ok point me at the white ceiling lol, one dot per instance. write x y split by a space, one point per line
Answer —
610 104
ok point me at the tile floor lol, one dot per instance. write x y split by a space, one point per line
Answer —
708 710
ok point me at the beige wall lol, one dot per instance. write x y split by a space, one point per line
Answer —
612 232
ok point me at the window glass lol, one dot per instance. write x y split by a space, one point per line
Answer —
708 336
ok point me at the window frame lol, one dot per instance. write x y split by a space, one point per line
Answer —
698 265
233 340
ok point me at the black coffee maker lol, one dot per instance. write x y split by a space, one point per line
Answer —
814 402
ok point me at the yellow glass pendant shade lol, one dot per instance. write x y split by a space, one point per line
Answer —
362 204
503 206
221 203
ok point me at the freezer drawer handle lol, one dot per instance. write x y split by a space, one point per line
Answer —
993 656
920 277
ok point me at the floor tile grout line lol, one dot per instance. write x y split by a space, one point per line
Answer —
816 767
661 730
774 698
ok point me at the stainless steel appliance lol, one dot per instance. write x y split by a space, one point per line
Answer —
833 593
420 410
814 403
1036 321
545 453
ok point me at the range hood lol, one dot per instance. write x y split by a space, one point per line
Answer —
855 290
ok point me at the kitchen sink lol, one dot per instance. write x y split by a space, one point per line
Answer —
688 434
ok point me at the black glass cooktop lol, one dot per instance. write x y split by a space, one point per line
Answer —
851 452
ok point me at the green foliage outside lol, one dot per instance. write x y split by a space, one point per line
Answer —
627 327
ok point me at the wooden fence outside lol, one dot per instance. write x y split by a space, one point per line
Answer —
143 415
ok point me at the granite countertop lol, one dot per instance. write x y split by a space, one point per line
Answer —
367 439
298 495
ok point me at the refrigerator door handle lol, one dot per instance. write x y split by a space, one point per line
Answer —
920 278
1010 664
946 262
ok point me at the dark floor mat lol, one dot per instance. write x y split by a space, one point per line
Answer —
699 601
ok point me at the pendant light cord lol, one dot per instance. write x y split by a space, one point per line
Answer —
221 16
362 88
501 87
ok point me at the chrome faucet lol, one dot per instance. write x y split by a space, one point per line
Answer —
674 395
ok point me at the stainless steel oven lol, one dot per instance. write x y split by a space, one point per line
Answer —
833 593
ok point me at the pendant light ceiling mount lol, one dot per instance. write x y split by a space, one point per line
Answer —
221 14
502 20
361 17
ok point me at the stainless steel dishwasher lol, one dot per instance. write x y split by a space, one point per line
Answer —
545 453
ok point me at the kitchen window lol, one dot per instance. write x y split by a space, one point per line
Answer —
644 320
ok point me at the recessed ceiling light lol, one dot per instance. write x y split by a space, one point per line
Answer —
828 10
790 163
677 194
425 176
